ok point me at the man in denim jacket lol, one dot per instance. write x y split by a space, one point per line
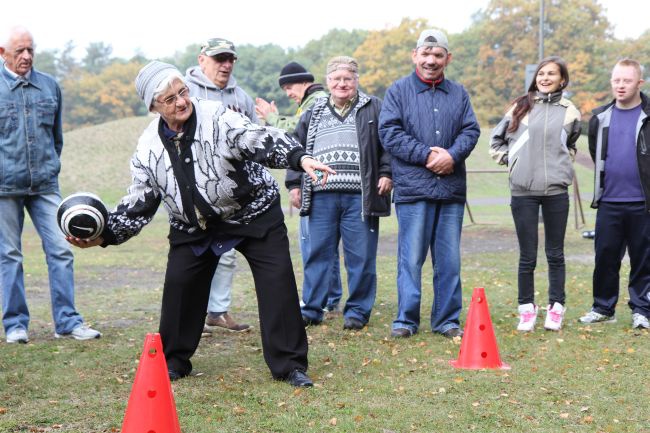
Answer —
30 147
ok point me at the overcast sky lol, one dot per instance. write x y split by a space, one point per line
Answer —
159 28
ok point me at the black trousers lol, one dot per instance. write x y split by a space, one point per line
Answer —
620 226
525 212
187 289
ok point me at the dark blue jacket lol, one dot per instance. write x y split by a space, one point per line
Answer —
415 117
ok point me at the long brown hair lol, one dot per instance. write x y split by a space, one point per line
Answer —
524 103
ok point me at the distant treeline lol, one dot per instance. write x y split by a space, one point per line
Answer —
489 59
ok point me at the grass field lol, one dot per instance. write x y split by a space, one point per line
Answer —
582 379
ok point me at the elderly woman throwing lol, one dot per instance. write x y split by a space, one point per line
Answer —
341 131
204 163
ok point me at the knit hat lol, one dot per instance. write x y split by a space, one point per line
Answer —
432 38
215 46
342 62
294 72
150 77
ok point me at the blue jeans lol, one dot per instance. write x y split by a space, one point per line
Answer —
42 210
333 216
423 226
221 286
335 289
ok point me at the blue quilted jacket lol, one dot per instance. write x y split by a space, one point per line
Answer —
415 117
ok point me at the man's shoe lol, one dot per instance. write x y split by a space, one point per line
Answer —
640 321
554 317
306 321
527 317
18 335
333 310
225 321
81 332
401 333
594 317
174 374
352 323
299 378
452 333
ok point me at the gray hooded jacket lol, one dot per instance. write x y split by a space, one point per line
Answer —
232 96
539 154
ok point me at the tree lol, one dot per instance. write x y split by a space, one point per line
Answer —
317 52
45 61
503 41
98 56
92 99
257 71
396 44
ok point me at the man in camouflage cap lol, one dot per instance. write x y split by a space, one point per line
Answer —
212 79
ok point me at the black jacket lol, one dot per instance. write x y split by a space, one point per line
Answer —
598 135
374 161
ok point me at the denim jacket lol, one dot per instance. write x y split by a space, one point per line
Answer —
31 137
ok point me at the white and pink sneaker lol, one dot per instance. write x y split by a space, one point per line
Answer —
554 317
527 317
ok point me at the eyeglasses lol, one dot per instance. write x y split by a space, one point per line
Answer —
225 57
171 100
343 80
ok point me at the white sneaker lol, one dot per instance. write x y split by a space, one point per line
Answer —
554 317
527 317
640 321
81 332
18 335
594 317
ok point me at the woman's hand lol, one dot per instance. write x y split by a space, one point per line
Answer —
84 243
316 170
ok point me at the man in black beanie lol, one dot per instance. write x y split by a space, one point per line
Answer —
299 85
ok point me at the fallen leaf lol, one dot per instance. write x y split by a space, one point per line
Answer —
564 415
333 421
237 410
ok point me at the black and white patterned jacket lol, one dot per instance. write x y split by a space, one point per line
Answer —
227 155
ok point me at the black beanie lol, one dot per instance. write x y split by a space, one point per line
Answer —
294 73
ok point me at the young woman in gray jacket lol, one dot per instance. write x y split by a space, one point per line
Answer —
536 139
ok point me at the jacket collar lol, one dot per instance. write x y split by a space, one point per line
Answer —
645 106
312 89
423 87
14 80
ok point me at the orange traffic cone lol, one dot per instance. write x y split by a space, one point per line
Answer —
479 347
151 407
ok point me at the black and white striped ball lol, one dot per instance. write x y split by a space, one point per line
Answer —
82 215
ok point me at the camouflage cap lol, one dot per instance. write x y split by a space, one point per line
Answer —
215 46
